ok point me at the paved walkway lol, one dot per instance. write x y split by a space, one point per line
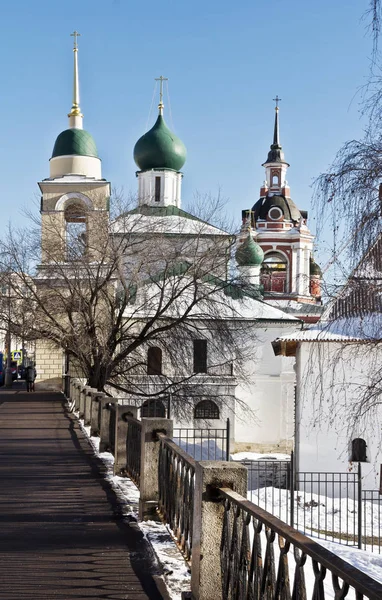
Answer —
61 533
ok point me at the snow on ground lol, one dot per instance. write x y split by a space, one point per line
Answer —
176 572
239 456
367 562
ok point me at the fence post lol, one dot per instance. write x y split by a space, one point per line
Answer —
228 445
359 506
121 427
206 578
104 430
150 445
291 488
88 404
94 413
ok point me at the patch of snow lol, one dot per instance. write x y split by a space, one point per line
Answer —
239 456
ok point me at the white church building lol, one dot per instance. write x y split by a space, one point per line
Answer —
274 261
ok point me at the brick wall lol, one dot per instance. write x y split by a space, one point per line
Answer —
49 365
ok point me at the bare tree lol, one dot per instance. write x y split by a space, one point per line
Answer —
108 292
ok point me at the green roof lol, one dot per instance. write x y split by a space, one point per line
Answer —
249 253
314 268
75 141
159 148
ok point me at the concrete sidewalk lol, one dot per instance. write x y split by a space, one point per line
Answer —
61 532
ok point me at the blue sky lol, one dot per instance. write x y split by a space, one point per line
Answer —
225 62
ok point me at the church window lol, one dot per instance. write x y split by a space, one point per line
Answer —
153 408
275 179
358 450
275 213
154 361
157 189
76 231
206 409
274 272
200 356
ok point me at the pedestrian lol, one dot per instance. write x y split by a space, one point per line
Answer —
30 376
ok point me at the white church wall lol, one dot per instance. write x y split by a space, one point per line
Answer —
264 411
331 378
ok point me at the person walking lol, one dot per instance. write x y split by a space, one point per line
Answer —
30 376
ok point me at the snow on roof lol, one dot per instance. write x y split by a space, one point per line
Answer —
169 224
220 304
367 328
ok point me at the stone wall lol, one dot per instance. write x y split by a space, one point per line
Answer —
49 365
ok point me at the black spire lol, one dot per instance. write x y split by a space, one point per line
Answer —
276 154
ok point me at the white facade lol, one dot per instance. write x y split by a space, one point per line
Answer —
159 187
331 379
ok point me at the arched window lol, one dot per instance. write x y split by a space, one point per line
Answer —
76 230
153 408
154 361
358 450
206 409
274 272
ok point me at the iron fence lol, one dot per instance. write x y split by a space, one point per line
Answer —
270 485
133 449
263 558
204 444
328 506
324 505
372 520
176 474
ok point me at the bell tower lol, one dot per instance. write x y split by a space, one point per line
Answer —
75 197
289 275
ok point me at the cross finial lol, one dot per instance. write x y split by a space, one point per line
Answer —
75 34
161 79
249 214
277 100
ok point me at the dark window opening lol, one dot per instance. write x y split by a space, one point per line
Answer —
206 409
153 408
154 361
157 189
358 450
200 356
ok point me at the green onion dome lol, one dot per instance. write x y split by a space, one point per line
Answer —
249 253
314 268
75 141
159 148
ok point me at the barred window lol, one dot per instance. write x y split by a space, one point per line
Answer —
153 408
154 361
206 409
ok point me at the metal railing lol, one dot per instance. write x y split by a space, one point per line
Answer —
372 520
204 444
324 505
270 483
262 558
328 506
133 449
176 481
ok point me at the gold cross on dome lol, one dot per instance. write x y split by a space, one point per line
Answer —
277 100
75 34
161 79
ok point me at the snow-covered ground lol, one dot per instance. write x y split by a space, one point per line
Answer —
176 571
